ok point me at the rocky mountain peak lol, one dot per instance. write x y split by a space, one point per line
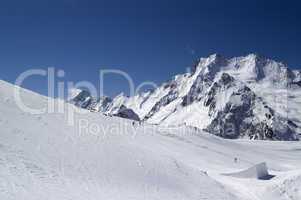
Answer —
239 92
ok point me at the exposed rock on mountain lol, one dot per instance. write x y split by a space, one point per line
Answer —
124 112
105 105
251 97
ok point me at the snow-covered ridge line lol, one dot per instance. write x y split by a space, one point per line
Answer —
273 113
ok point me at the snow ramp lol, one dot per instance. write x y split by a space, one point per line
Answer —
258 171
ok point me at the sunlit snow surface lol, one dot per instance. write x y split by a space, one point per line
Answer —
42 157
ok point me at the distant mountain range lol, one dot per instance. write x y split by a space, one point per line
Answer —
243 97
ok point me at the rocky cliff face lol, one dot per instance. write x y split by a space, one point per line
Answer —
243 113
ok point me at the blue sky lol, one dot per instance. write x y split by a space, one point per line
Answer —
150 40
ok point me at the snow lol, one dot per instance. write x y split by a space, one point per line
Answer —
188 116
267 78
215 89
73 92
259 171
43 157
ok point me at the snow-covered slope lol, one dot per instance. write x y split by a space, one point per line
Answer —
42 157
262 101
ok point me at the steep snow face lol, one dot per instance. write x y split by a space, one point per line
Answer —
42 157
255 68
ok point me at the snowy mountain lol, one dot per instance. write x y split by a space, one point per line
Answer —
242 97
42 156
106 105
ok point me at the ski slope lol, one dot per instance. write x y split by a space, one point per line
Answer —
42 157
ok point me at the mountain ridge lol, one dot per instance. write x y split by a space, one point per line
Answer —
181 100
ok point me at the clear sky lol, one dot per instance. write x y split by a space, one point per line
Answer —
150 40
